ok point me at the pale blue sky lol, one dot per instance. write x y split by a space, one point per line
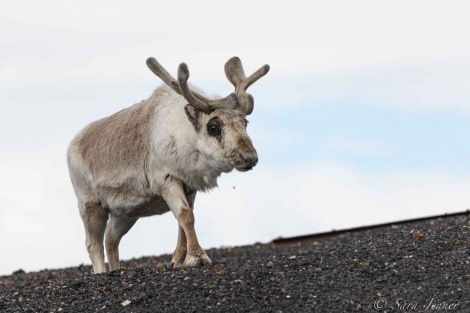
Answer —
377 122
363 118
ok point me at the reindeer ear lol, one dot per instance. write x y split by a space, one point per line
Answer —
193 115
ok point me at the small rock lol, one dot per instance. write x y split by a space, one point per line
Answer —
125 303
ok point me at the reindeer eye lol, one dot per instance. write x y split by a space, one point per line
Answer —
213 127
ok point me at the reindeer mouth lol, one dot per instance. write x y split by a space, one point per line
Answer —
244 162
244 168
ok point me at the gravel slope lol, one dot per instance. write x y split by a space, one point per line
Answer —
415 267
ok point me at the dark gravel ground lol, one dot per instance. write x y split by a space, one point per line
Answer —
414 267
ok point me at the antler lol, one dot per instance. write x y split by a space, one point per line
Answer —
235 74
198 100
160 71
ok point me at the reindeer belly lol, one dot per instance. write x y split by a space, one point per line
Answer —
144 207
153 206
131 202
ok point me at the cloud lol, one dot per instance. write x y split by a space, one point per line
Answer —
341 197
105 40
434 86
361 148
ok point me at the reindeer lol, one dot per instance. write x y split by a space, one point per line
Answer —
153 157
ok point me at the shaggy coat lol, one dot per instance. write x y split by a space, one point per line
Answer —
152 158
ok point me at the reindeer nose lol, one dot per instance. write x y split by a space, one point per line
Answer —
247 161
247 156
253 158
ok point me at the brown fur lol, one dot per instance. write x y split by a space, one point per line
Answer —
244 145
114 141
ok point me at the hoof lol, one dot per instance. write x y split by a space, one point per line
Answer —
176 264
178 258
196 260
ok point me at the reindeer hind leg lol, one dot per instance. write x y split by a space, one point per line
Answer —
94 218
117 227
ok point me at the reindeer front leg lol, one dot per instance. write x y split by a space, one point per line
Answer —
188 252
180 252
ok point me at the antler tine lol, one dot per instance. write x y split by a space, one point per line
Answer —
236 75
234 72
160 71
183 75
256 75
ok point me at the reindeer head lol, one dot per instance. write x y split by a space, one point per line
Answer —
219 123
